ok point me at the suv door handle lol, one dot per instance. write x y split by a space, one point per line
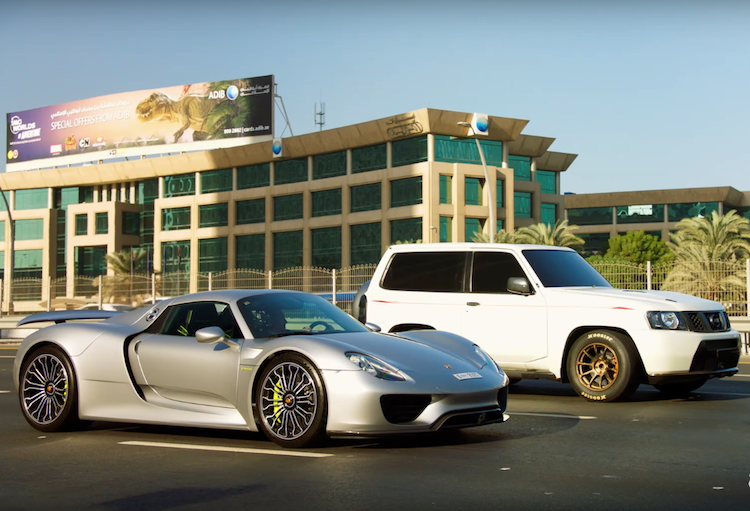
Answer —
472 304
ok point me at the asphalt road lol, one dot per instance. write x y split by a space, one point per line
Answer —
558 451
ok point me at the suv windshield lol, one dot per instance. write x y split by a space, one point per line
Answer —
561 268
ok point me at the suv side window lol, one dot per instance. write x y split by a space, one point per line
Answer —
426 271
491 271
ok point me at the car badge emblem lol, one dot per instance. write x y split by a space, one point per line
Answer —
448 367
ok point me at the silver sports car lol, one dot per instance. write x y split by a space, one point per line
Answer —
289 364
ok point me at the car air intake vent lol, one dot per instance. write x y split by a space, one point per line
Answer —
401 408
708 321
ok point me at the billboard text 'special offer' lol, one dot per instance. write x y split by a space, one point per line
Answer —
198 116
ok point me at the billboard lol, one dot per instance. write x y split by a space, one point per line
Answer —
198 116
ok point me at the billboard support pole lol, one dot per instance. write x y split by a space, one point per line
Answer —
9 279
283 112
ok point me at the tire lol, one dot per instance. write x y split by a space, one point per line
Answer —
680 388
291 402
603 366
48 391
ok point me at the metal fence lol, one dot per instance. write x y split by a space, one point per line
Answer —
724 282
29 295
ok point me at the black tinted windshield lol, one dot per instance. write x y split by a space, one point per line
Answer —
562 268
276 314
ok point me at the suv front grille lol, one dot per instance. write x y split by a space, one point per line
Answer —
707 321
400 408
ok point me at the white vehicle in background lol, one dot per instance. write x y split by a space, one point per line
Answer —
544 312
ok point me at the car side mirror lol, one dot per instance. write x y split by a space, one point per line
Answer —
213 334
373 327
519 286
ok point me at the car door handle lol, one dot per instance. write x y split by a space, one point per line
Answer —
472 304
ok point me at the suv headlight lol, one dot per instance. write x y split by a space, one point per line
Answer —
668 320
375 367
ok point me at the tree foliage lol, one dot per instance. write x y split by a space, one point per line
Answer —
638 247
558 235
501 236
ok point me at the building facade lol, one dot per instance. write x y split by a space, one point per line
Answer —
601 216
336 198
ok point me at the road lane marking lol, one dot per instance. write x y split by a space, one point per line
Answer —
556 416
5 356
299 454
4 392
741 376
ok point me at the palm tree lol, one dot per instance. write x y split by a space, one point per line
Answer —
708 256
559 235
123 286
501 236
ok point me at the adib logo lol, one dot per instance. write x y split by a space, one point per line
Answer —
482 124
233 92
276 148
217 94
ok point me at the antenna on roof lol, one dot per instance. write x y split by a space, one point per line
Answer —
320 116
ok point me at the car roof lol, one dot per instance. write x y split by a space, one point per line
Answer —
457 247
224 295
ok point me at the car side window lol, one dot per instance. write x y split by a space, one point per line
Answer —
491 271
187 318
426 271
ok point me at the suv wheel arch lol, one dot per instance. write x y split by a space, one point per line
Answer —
578 332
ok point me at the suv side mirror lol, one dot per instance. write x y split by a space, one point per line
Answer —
519 286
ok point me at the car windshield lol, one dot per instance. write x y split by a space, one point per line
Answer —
278 314
563 268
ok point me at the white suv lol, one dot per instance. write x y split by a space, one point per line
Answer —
544 312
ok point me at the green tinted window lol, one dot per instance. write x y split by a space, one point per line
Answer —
640 214
214 215
173 219
595 244
326 247
329 165
446 189
365 197
287 249
374 157
82 228
90 261
522 204
253 176
2 230
212 255
499 193
178 186
102 223
251 211
406 192
31 229
473 226
326 202
548 181
176 258
446 229
290 171
148 191
216 181
287 207
251 252
408 151
521 166
590 216
365 243
473 191
31 199
131 221
692 209
408 230
465 150
549 214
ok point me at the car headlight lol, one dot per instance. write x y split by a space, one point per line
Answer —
375 367
666 320
487 359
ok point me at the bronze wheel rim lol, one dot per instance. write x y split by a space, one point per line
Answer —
597 367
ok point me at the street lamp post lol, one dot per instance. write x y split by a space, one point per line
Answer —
486 178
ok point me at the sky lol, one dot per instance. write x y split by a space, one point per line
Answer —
649 94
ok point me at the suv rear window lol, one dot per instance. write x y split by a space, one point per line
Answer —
426 271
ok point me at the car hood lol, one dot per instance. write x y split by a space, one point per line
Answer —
599 297
410 355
